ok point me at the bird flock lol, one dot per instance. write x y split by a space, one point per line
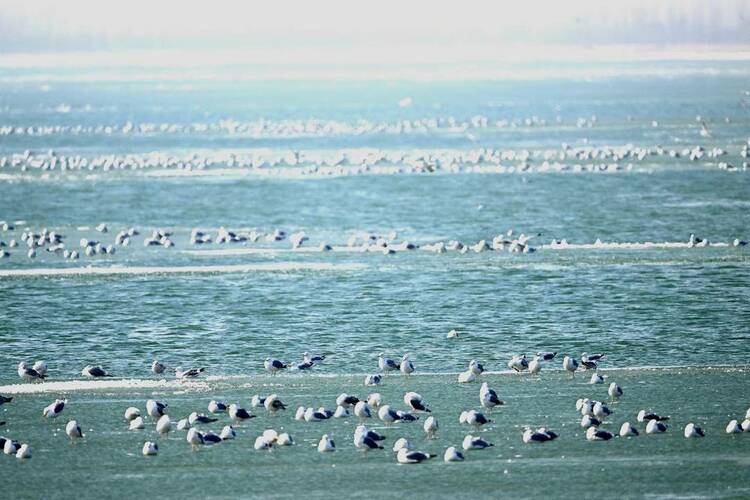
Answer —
596 415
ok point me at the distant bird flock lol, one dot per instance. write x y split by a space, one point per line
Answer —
363 410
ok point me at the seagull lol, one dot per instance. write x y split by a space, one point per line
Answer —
40 367
401 443
257 401
362 410
10 447
745 425
430 427
588 365
363 442
476 367
346 400
594 434
261 443
183 424
157 367
535 366
596 379
28 374
237 413
587 421
284 439
387 415
326 444
386 364
311 415
453 455
73 430
24 451
546 356
194 437
643 416
518 363
53 410
273 365
163 425
614 391
476 419
406 366
300 413
306 357
733 427
155 409
692 430
601 410
227 433
415 402
190 373
570 365
211 438
374 400
150 449
305 365
137 424
627 430
94 372
592 357
539 436
5 399
341 412
217 406
475 443
131 413
488 397
372 380
453 334
375 436
196 418
655 427
406 417
412 457
273 404
467 377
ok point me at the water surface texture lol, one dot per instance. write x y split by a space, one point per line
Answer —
609 174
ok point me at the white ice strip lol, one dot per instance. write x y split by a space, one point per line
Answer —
144 270
87 385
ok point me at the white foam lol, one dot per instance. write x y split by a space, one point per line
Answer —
144 270
88 385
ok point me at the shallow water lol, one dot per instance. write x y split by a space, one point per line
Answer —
230 306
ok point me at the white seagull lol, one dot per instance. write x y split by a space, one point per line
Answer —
227 433
273 365
614 391
488 397
137 424
155 409
406 366
157 367
217 406
92 371
362 410
733 427
73 430
53 410
594 434
273 404
453 455
131 413
401 443
692 430
430 426
189 373
627 430
570 365
150 449
237 413
387 415
386 364
655 427
163 425
28 374
326 444
475 443
415 401
412 457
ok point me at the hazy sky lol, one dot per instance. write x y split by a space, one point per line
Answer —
80 25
